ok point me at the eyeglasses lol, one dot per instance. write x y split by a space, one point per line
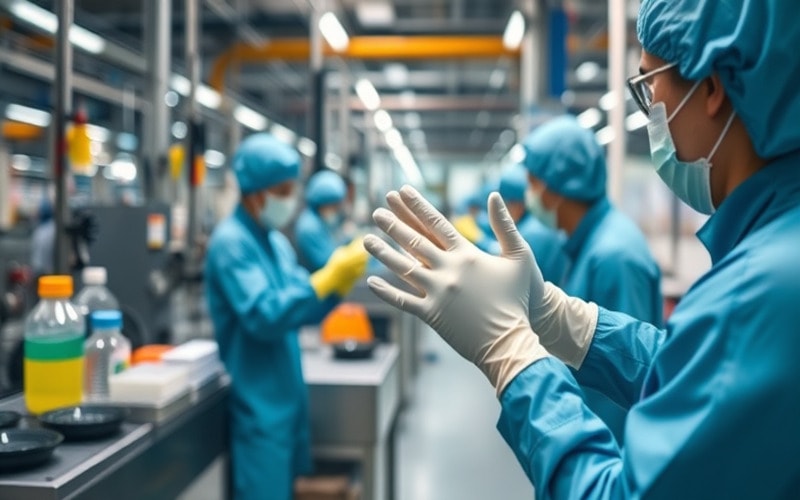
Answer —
640 88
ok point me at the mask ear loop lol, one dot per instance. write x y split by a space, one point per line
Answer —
684 101
722 136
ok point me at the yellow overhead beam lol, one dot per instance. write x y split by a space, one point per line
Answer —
364 48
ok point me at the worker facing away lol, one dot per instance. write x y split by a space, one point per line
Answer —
317 230
258 297
611 263
712 398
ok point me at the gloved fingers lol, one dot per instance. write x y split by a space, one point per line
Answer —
511 242
397 298
409 270
431 218
410 240
404 214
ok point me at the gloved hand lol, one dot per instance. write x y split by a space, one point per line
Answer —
344 268
478 303
468 228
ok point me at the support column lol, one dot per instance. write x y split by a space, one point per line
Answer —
316 115
63 110
344 118
158 23
617 28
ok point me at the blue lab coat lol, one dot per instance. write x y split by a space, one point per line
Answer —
258 297
315 241
714 400
613 267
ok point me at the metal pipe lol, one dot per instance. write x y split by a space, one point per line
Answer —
617 17
193 113
63 102
316 115
157 44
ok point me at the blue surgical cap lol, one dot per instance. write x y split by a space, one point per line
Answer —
262 161
751 44
567 158
513 184
325 188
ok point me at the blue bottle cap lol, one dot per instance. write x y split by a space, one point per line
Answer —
105 320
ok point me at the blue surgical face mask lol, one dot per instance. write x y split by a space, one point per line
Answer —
277 212
690 181
533 202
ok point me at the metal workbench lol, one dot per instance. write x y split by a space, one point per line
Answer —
354 406
149 460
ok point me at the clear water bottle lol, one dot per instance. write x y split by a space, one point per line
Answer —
94 296
53 348
107 352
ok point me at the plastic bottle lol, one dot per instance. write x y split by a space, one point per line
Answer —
54 334
94 296
107 352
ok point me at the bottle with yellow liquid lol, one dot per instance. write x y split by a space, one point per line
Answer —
54 335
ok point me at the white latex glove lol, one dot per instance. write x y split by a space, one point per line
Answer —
478 303
565 325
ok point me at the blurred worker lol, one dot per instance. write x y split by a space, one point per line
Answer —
611 263
713 397
258 297
43 241
316 231
546 242
474 225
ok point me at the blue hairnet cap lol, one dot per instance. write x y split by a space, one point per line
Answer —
513 184
325 188
262 161
751 44
567 158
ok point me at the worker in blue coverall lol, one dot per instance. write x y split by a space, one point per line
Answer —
713 397
316 230
611 263
258 297
546 242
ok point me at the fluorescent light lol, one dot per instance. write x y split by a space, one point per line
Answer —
608 101
497 79
409 166
590 118
393 138
97 133
382 120
334 32
396 74
334 162
282 133
517 154
21 162
122 169
47 21
368 95
250 118
307 147
214 158
171 98
605 136
24 114
180 84
515 31
179 130
636 121
587 71
86 40
375 14
208 97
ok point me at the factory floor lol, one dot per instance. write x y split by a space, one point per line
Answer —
448 447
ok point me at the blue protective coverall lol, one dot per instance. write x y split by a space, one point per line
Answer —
714 400
258 297
314 239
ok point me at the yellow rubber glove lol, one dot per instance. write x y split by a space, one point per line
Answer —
345 267
468 228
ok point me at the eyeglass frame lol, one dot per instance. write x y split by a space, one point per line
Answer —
635 81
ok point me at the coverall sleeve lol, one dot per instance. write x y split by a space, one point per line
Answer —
315 244
268 310
625 287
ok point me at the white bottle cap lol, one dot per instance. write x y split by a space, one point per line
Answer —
94 276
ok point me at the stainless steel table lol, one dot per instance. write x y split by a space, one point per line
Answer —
150 461
353 406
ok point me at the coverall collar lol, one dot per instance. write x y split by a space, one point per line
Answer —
759 200
586 228
248 222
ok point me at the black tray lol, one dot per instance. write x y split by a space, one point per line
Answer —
25 448
9 419
353 350
81 423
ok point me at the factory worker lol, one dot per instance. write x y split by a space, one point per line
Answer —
258 297
316 230
545 241
474 225
611 263
713 397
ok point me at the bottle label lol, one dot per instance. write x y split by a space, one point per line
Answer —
46 349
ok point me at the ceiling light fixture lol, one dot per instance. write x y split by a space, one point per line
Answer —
334 32
368 95
515 31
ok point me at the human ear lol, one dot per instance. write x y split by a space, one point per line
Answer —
715 95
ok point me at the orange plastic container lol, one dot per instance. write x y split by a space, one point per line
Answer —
149 353
347 322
